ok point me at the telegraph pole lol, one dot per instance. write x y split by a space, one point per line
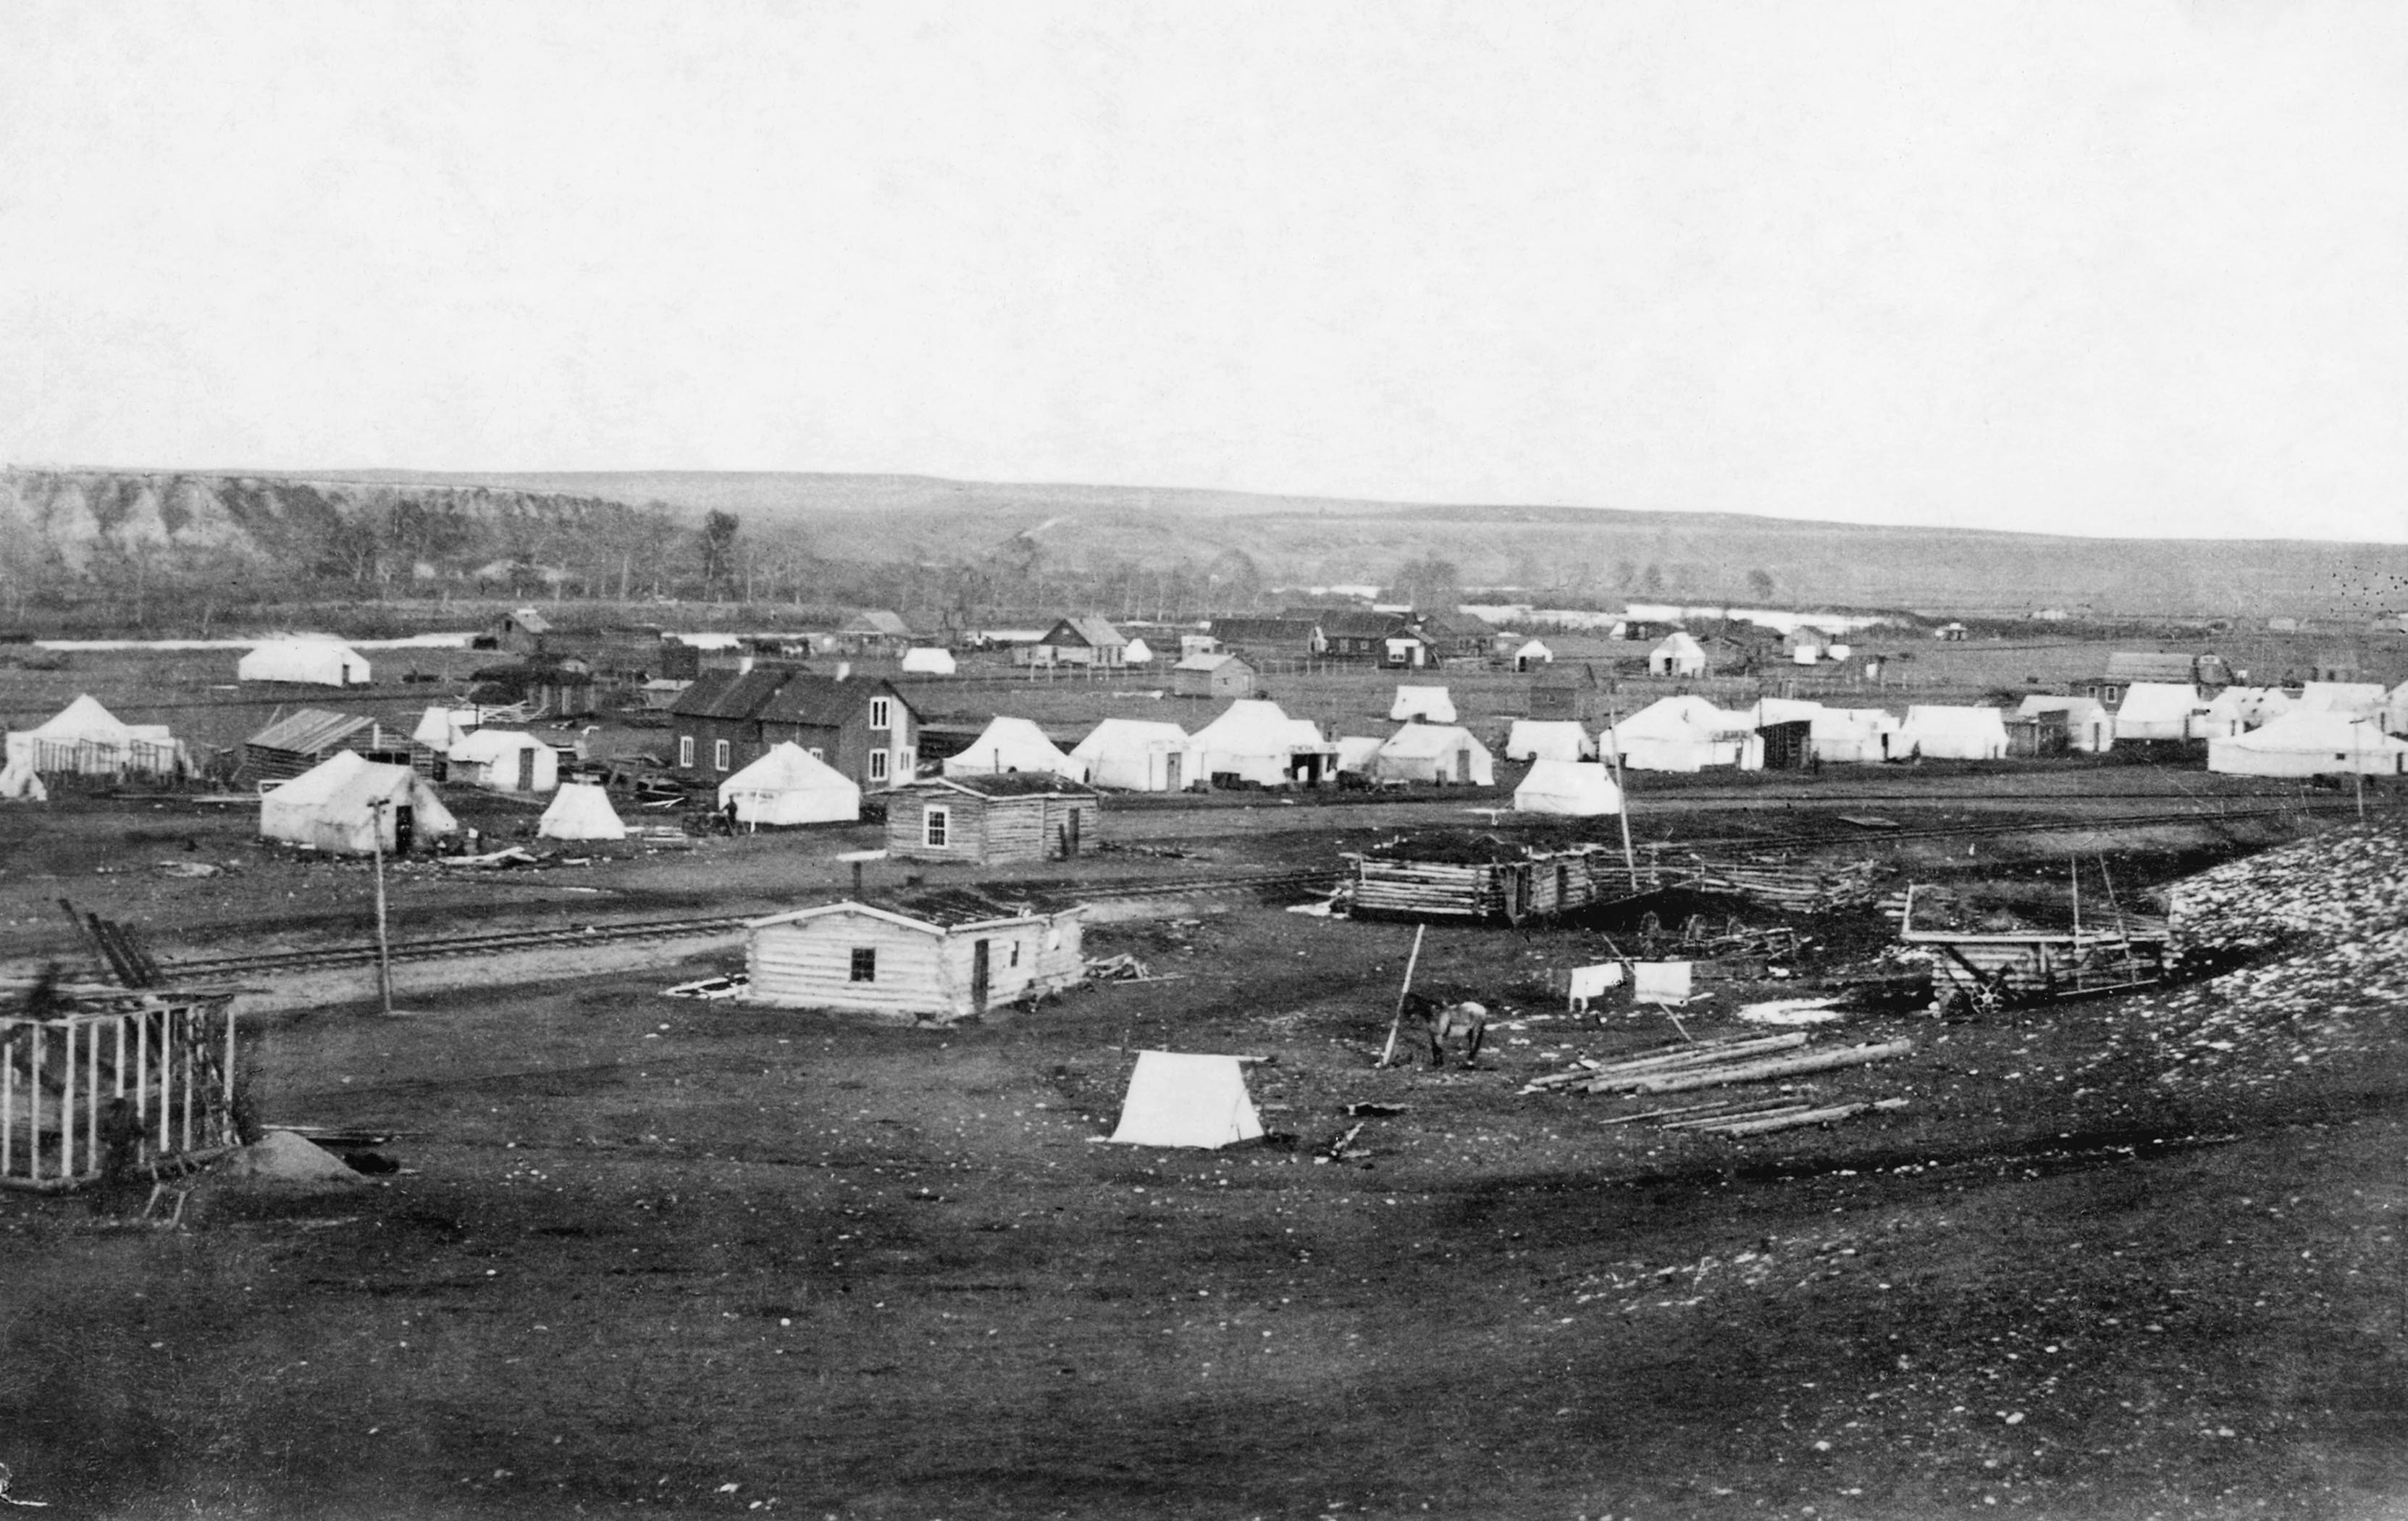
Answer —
384 947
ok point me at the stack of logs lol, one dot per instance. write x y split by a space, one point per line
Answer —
1708 1064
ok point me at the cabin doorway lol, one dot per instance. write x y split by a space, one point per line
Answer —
405 829
981 963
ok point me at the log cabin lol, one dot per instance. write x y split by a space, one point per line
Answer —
986 818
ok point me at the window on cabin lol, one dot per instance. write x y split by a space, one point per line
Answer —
865 963
878 766
1015 953
719 755
881 713
685 750
933 825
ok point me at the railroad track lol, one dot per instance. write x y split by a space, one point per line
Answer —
450 946
2024 825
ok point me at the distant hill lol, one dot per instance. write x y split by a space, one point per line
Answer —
448 524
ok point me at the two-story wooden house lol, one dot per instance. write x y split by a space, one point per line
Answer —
862 728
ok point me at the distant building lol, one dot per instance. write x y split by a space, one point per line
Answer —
1079 641
1276 638
520 631
864 728
1212 676
302 739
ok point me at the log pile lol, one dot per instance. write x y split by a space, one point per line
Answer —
1731 1059
1791 888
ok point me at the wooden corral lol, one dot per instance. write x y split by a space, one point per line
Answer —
1485 879
1014 817
74 1052
937 955
2022 956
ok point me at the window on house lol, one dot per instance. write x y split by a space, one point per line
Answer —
865 964
1015 953
881 713
719 755
878 766
817 753
685 750
933 825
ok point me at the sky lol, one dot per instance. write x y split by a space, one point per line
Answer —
2077 267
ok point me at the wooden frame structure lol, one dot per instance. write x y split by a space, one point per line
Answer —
2119 953
169 1053
1485 881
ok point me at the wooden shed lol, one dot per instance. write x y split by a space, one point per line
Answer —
1221 675
301 740
1008 817
1485 879
931 956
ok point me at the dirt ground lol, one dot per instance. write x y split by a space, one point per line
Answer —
647 1254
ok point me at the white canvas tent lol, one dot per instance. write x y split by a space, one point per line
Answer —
1543 738
1354 752
1176 1098
333 807
1852 736
1013 744
1136 754
1677 656
927 660
2237 710
1940 731
1580 789
19 783
1254 740
789 785
581 811
2089 728
310 662
506 760
1770 711
1532 655
441 728
1435 753
87 739
1683 733
2310 743
1137 653
2161 711
1430 704
2357 699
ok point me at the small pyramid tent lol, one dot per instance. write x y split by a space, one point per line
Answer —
334 806
1013 744
1180 1099
581 811
1136 654
1430 704
789 785
1136 754
1580 789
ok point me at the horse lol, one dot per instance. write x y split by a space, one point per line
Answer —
1466 1020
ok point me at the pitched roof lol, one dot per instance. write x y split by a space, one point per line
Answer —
528 619
311 730
1094 633
728 693
1356 622
877 620
823 701
1210 662
1265 630
939 908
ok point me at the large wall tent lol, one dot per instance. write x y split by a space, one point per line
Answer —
1543 739
581 811
345 805
2161 711
1136 754
1434 752
1683 733
1852 736
2089 728
1943 732
505 760
84 738
1013 744
306 662
789 785
1255 741
2306 743
1428 704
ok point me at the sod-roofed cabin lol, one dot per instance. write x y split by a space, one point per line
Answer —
1007 816
938 956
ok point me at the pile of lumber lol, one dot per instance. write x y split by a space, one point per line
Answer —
1793 889
1732 1059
